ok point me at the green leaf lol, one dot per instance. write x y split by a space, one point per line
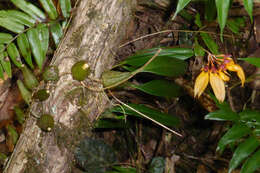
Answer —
166 66
18 16
11 25
14 55
222 115
111 78
160 88
157 165
210 43
12 133
236 132
44 38
119 169
232 25
198 50
5 38
250 116
56 32
197 20
65 6
181 4
111 124
25 49
222 11
36 45
1 72
248 5
235 24
49 8
20 117
30 80
6 64
210 10
252 60
242 152
163 118
143 56
26 94
30 9
252 163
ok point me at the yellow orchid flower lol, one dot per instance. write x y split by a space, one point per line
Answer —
218 86
201 83
215 73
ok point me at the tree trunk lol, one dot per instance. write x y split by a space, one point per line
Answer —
96 29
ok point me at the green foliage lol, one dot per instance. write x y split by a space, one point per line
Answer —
246 123
32 34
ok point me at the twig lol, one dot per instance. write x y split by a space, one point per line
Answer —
166 31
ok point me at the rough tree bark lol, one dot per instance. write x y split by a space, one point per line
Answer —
96 29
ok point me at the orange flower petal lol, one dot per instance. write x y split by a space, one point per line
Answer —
201 83
218 86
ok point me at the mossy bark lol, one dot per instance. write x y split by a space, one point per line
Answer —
96 30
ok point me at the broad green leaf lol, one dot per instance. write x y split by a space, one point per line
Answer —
26 94
252 60
161 88
222 11
166 119
11 25
248 5
14 54
36 46
166 66
5 38
198 50
6 64
29 8
25 49
65 6
111 124
1 72
157 165
44 38
181 4
210 43
252 163
142 57
242 152
111 78
18 16
56 32
250 116
236 132
210 10
222 115
49 8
